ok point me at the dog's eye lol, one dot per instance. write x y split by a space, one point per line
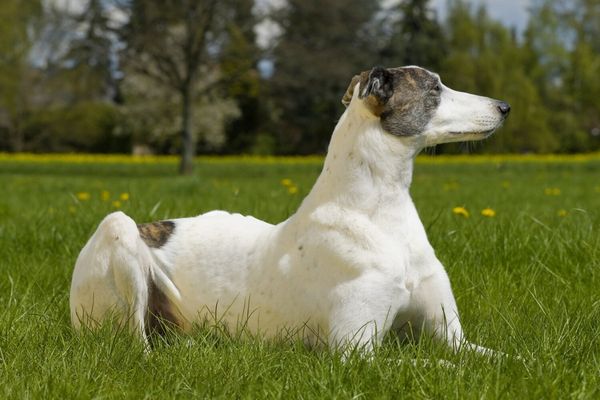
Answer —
437 88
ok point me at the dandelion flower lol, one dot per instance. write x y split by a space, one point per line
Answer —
562 213
461 211
116 204
83 196
105 195
488 212
124 196
287 182
292 189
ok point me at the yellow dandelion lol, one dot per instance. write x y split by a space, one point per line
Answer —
116 204
488 212
72 209
461 211
292 189
105 195
83 196
505 184
124 196
287 182
562 213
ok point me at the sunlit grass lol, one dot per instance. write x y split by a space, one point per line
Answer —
522 252
251 159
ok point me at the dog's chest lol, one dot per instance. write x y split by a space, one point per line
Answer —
407 242
390 239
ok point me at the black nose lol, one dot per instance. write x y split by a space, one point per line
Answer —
503 107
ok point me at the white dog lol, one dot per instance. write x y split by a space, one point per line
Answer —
350 265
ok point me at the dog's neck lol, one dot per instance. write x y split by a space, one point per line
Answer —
365 167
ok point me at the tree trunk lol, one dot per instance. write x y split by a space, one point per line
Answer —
188 144
18 140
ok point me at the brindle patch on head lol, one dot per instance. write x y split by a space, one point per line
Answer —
404 98
156 234
415 98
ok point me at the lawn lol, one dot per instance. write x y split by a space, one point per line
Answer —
526 277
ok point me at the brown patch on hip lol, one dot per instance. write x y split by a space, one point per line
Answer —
156 234
162 316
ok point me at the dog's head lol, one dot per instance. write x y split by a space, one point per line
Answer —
411 101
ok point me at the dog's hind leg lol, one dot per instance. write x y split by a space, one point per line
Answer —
111 276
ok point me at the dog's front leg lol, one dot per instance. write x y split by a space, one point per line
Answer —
363 311
439 314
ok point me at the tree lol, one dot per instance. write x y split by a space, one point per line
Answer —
176 43
415 38
87 68
240 77
564 41
18 32
324 43
153 114
484 57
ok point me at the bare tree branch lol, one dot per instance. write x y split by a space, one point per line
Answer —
167 41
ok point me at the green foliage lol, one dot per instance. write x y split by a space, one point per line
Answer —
416 37
87 65
93 127
323 45
484 58
18 31
185 74
563 39
241 80
526 283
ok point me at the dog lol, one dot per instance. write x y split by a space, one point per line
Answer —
352 264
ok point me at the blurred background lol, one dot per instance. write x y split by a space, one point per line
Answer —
267 76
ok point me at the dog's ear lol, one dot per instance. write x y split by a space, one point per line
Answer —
350 91
379 83
376 86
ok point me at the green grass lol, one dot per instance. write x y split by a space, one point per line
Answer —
527 282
